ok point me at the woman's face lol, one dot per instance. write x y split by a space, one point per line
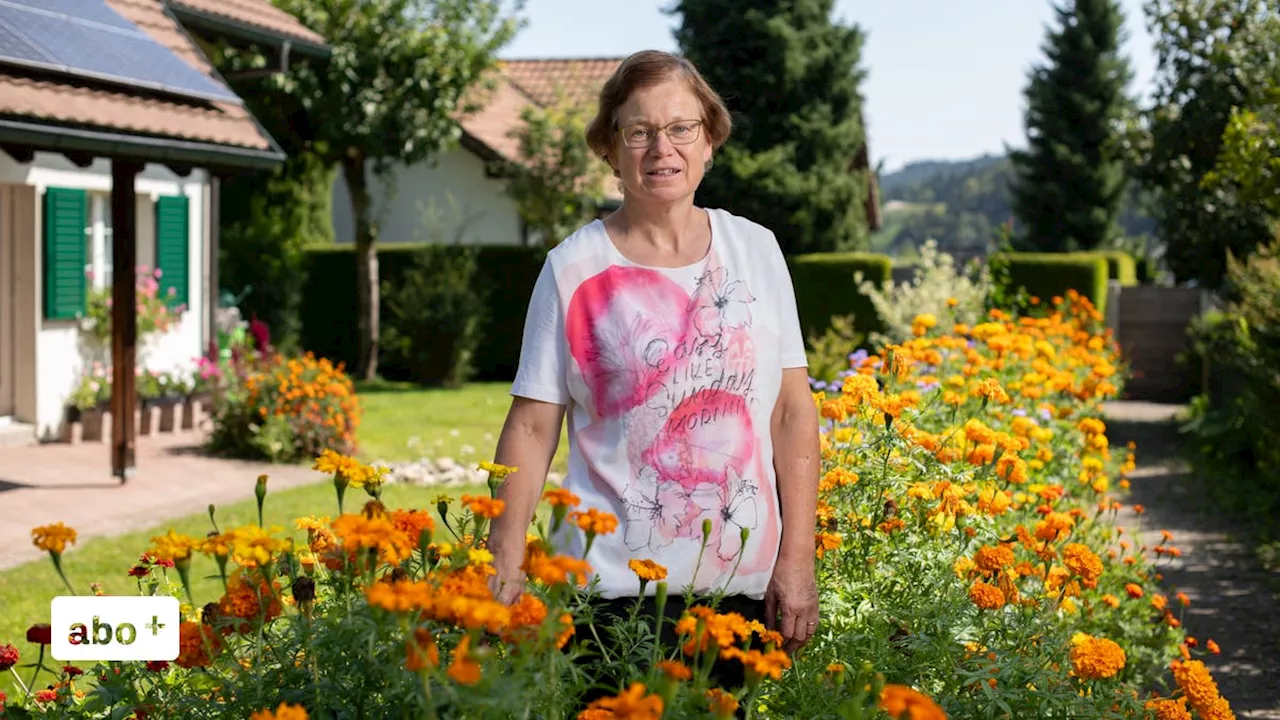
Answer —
661 147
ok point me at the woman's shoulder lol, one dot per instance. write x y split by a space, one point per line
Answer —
588 238
755 240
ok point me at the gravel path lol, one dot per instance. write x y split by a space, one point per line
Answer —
1233 598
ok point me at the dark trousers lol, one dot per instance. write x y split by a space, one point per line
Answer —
727 674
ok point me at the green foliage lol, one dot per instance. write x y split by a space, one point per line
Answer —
791 77
825 287
1048 275
1213 57
938 289
1121 266
1236 428
156 314
329 312
559 183
828 353
435 317
1249 164
1069 183
268 221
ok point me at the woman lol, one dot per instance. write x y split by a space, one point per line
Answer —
669 335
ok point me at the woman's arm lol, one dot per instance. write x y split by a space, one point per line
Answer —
528 443
792 599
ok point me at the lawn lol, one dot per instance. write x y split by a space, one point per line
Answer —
404 423
25 591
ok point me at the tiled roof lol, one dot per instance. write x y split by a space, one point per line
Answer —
84 104
580 79
257 13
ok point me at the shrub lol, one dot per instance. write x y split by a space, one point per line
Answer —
435 316
825 288
1121 266
284 409
1048 275
828 354
936 287
966 552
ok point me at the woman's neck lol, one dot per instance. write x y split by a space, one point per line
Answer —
670 229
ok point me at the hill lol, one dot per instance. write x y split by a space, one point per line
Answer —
961 204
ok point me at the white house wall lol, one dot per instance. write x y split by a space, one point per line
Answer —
59 355
468 207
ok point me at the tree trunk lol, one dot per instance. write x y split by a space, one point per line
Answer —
367 286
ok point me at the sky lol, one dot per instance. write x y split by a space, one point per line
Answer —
945 78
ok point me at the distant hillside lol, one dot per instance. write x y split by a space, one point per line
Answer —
962 204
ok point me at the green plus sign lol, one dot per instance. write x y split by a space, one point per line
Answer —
155 625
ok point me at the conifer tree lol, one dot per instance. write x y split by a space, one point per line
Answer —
796 161
1070 181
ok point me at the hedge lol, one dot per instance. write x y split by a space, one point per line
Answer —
330 327
824 288
1045 275
1121 266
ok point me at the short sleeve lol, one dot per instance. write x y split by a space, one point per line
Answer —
542 373
792 351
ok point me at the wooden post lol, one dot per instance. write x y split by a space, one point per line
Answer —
124 316
215 239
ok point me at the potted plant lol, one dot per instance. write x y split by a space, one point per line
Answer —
88 402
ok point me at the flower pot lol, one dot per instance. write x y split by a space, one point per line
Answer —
146 418
188 413
91 425
167 407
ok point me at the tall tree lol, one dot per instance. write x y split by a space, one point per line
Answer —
1213 58
796 159
1068 184
400 75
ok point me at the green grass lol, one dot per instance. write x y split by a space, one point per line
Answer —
26 591
403 422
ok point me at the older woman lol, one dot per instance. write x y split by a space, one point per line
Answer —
669 335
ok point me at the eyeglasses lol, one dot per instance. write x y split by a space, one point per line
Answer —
680 132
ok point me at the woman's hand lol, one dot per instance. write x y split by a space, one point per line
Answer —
507 582
791 601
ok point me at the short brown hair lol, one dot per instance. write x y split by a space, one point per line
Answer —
645 69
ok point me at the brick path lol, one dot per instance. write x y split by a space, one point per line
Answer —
73 484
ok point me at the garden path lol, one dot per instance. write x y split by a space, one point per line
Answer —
1233 598
51 483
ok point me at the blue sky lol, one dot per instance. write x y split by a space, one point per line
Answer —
945 77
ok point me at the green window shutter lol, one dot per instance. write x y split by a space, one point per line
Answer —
173 247
66 217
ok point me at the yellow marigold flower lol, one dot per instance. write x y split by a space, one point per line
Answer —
595 522
53 538
479 556
990 389
904 703
1083 562
986 596
253 546
174 546
283 711
837 477
647 570
1095 658
496 470
720 703
963 566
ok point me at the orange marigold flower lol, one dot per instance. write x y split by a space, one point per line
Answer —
559 497
53 538
634 703
759 664
1169 709
594 521
675 669
1095 658
197 645
555 570
1201 690
484 506
720 703
647 570
283 711
904 703
1111 601
986 596
421 651
825 542
990 389
1212 647
1135 590
991 558
464 670
1083 562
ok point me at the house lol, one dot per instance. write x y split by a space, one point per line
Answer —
461 198
114 132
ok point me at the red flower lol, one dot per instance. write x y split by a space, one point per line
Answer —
8 657
3 697
40 633
157 665
72 670
137 571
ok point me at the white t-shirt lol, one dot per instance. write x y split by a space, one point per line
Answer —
670 377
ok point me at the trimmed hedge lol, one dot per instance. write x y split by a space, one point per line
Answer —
1121 266
1045 275
825 288
330 328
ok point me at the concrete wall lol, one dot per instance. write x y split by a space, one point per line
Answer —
467 206
58 355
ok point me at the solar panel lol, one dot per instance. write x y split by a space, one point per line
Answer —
89 39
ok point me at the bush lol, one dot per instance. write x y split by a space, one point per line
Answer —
329 324
283 409
435 315
1121 266
825 288
966 551
937 293
1045 276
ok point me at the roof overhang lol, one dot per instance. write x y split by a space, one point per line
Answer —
78 143
223 26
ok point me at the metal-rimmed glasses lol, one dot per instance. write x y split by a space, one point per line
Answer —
643 135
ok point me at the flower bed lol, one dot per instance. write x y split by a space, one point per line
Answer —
968 557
